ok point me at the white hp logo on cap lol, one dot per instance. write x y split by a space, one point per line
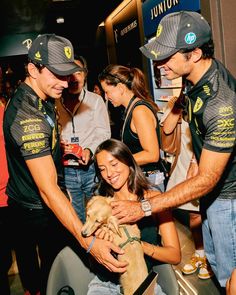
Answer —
190 38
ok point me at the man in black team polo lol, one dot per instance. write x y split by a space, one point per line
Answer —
33 154
183 47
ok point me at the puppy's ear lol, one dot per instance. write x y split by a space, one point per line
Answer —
114 225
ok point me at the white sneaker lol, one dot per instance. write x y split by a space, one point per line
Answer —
192 266
205 271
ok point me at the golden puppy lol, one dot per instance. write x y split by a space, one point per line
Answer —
99 213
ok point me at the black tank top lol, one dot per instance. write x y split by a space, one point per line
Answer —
131 139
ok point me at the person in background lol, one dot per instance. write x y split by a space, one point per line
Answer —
231 284
184 47
120 177
126 86
84 121
41 213
5 245
115 113
185 168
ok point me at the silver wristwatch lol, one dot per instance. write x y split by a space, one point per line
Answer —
146 207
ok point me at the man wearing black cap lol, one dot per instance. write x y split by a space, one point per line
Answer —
183 47
34 161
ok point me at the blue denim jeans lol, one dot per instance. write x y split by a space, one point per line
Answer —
219 235
98 287
80 183
157 181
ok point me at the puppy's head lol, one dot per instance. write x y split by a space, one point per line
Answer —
98 212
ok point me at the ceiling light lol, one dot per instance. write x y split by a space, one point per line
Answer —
60 20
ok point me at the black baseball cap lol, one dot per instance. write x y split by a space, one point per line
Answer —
56 53
177 30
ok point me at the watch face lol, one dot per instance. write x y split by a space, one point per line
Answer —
146 207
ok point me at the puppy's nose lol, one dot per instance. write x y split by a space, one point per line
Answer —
84 233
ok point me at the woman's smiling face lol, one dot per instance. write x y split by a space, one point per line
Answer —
113 171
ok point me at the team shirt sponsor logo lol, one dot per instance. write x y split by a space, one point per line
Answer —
198 105
226 111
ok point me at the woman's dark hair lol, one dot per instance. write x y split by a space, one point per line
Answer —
137 182
133 78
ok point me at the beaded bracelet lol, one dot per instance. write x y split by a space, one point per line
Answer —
91 245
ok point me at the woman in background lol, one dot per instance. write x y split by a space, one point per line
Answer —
127 86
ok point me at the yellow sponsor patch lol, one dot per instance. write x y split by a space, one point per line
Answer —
226 123
198 105
32 136
30 121
31 128
226 111
34 145
207 90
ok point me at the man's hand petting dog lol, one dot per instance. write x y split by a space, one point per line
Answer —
103 252
127 211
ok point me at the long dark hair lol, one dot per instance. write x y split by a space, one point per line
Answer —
133 78
137 182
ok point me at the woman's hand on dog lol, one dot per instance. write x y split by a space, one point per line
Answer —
104 233
102 251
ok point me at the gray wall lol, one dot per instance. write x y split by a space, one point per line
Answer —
221 15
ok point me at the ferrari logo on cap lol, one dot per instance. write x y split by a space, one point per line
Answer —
68 52
159 30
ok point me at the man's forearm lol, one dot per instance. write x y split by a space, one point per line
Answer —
182 193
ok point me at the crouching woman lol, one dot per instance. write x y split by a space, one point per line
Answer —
120 177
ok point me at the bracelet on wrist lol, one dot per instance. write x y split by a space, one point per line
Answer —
91 244
193 161
153 250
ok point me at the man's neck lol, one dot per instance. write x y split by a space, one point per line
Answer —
199 70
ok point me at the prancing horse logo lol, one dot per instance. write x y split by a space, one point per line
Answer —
68 52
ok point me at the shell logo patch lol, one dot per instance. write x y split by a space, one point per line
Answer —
68 52
198 105
159 30
190 38
37 56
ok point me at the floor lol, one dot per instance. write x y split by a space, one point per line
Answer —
195 285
